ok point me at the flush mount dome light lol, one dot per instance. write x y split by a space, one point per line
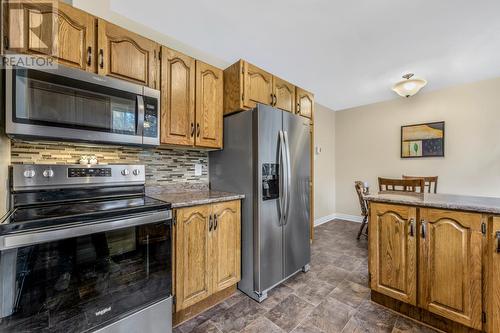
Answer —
409 87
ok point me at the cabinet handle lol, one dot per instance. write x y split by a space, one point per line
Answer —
216 222
424 228
412 230
198 129
272 100
192 129
298 107
210 223
101 58
497 236
275 100
89 55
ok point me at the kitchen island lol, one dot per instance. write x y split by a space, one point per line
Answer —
433 257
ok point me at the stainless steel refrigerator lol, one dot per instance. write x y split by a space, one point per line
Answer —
266 156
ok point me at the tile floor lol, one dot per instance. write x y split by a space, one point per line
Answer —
332 297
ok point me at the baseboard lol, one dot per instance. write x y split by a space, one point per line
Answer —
347 217
324 219
340 216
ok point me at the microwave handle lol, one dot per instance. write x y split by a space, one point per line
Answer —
140 115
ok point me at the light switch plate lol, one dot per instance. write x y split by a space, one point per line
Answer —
198 168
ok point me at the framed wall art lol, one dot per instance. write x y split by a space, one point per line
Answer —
422 140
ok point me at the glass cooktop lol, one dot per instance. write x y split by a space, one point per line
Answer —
51 214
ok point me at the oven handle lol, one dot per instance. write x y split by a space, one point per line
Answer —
43 236
140 115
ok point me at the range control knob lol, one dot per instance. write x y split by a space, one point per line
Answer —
29 173
125 172
48 173
137 172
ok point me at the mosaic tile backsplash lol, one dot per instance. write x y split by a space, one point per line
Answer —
163 165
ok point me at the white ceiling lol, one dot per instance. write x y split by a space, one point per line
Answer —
349 53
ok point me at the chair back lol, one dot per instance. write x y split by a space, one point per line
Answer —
401 185
361 190
431 183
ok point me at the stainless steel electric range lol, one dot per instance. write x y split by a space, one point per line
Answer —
83 249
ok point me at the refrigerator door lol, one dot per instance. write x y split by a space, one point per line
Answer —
297 248
269 242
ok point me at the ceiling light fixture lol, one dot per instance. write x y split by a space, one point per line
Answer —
409 86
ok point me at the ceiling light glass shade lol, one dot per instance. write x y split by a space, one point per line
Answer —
409 86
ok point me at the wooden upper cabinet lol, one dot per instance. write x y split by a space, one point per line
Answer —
258 86
193 278
305 103
177 98
51 28
284 95
209 104
451 265
226 251
126 55
393 251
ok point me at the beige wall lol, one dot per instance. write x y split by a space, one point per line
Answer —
324 163
368 142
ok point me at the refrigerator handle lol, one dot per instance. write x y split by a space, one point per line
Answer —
288 177
282 189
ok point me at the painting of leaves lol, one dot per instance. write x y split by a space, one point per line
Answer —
422 140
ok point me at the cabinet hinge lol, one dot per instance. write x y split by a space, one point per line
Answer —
483 228
483 317
369 277
243 96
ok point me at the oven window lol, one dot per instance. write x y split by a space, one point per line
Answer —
47 99
82 283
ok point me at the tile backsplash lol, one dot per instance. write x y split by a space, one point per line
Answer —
163 165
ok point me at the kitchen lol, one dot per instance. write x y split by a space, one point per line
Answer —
152 187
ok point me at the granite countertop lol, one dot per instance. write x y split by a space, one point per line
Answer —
187 195
488 205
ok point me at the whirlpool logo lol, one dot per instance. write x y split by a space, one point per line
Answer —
103 311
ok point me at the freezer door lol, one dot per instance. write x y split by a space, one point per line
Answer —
269 243
297 248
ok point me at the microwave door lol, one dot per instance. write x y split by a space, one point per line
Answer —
54 106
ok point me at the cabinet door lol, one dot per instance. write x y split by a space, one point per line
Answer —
209 96
258 86
126 55
226 245
393 250
177 98
305 103
193 278
492 291
450 262
51 28
284 93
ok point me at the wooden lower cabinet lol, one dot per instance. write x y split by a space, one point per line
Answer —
450 259
207 251
393 251
446 246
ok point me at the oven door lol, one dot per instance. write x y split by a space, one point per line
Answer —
84 282
70 104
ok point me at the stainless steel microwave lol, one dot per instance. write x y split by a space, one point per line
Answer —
74 105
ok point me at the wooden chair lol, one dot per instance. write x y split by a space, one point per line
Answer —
361 191
430 182
401 185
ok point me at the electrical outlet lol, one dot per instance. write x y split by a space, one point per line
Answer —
198 168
